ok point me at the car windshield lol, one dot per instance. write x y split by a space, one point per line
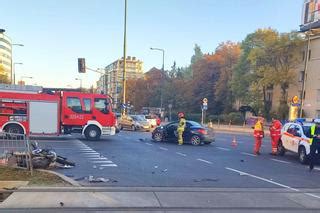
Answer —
102 84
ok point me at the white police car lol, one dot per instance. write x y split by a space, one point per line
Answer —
295 137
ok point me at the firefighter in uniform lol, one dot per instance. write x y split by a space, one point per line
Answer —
314 143
258 135
181 127
275 133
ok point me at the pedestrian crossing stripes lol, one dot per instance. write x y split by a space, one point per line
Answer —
95 157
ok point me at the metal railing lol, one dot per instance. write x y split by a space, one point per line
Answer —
15 150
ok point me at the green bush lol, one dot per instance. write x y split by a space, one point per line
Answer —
236 118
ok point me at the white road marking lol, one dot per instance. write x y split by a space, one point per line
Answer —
179 153
88 151
162 148
272 182
312 195
281 161
150 144
95 158
315 168
222 148
111 165
105 161
245 153
263 179
91 153
199 159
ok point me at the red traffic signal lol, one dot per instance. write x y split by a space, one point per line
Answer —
81 65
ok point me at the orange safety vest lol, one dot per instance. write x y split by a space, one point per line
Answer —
275 129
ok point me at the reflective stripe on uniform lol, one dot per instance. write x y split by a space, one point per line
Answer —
312 131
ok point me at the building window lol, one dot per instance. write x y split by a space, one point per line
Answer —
318 113
301 76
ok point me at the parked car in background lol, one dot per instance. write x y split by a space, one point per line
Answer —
194 133
152 120
134 122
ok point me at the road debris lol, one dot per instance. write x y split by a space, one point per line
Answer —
206 180
93 179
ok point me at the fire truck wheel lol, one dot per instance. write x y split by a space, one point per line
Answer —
92 133
13 129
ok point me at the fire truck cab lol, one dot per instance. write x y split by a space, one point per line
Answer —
54 113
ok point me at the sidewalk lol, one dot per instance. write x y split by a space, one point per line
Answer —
234 129
163 199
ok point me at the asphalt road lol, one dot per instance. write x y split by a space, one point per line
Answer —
133 159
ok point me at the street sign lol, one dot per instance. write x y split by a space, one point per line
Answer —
205 100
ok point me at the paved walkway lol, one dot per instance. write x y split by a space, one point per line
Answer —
162 199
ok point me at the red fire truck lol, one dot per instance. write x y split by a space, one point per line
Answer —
35 112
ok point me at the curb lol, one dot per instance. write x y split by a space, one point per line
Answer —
63 177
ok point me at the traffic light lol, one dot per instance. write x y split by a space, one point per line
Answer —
81 65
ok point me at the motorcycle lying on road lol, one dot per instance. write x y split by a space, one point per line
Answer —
42 158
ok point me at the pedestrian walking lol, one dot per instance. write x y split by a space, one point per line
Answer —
181 127
275 134
258 134
314 143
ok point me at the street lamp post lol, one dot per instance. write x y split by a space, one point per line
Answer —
13 80
79 79
14 71
162 50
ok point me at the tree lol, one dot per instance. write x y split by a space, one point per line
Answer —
197 54
268 59
226 55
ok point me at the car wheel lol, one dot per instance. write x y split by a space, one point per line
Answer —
133 128
195 140
157 137
302 155
281 149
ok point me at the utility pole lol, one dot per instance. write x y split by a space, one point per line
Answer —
124 59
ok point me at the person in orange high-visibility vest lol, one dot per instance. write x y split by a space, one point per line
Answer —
258 134
275 134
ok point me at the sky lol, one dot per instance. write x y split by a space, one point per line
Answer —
57 32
